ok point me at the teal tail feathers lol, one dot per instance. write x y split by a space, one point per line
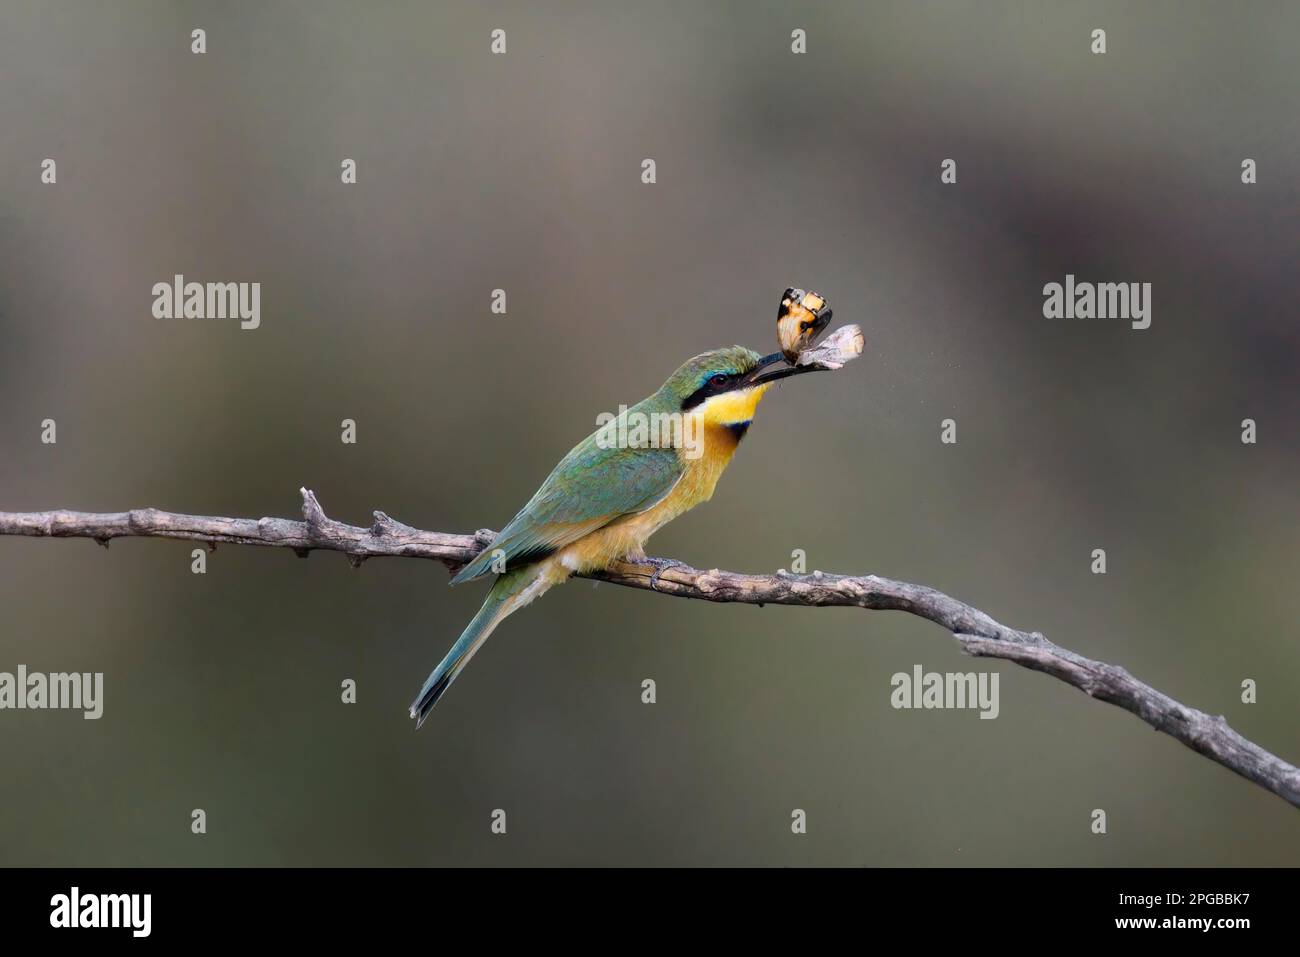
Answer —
478 566
510 591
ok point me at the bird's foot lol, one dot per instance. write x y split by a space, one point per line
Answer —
660 565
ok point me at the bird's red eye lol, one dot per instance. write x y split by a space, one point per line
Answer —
718 380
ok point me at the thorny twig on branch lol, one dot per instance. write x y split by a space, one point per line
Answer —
978 633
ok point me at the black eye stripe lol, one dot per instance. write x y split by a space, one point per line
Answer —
710 389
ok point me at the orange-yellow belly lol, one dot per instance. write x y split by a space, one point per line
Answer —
627 536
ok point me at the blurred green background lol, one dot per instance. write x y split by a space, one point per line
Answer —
522 172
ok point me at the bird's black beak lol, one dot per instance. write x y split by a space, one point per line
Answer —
763 372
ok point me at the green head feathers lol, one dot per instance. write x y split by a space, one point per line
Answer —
710 373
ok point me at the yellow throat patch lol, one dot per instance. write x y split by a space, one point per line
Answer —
732 408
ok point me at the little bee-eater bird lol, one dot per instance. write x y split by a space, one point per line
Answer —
605 498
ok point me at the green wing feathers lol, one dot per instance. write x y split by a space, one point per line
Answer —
591 487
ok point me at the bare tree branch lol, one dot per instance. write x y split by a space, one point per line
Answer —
978 633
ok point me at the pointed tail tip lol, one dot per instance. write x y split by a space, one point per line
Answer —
419 717
419 714
422 707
